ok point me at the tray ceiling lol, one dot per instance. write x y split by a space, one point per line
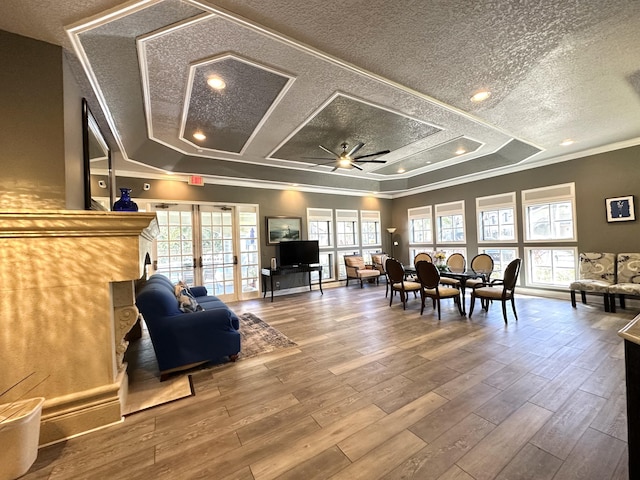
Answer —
397 79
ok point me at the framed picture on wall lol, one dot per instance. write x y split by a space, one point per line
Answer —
620 209
283 229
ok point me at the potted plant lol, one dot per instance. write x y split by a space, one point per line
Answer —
19 433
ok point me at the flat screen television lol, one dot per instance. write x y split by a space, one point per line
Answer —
298 252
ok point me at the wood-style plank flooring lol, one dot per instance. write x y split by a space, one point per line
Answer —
375 392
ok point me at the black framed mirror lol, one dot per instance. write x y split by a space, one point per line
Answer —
98 169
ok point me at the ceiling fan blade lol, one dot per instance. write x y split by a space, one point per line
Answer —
355 166
370 161
334 168
329 151
355 149
382 152
320 158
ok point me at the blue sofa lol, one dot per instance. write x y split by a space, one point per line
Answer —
183 340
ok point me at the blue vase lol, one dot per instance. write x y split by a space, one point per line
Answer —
125 204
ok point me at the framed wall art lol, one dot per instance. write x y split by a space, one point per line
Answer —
283 229
620 209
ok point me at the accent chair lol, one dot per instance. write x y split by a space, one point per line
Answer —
628 279
597 273
356 269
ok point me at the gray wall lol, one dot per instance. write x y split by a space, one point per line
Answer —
32 151
596 177
271 202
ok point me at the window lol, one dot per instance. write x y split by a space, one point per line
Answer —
320 225
450 222
370 226
501 258
347 228
549 213
550 266
326 260
496 218
420 228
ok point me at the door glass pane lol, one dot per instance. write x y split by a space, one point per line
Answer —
217 251
174 245
249 261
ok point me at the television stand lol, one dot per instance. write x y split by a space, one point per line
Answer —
268 273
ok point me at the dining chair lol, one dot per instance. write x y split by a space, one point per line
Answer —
481 264
397 282
430 280
492 291
456 263
422 256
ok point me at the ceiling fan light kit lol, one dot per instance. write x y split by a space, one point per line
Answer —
346 158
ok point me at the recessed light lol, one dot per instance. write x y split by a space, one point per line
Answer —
216 83
566 142
401 170
199 136
480 96
460 151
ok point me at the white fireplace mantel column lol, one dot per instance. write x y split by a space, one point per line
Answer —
67 302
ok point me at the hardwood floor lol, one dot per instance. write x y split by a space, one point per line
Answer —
375 392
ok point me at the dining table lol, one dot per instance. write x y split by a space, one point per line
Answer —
410 270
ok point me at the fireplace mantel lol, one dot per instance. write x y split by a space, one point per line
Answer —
68 300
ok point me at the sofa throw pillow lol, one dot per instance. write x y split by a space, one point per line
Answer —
186 301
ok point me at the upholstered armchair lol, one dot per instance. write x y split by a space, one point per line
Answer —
356 269
628 279
597 272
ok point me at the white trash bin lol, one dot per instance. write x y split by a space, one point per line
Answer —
19 436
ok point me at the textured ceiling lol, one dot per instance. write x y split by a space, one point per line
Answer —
301 73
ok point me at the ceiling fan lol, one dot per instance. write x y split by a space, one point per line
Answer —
346 158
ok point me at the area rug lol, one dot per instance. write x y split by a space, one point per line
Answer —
258 337
145 388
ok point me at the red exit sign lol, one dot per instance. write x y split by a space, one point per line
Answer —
196 180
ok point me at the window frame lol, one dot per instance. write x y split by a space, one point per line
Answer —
353 218
418 213
497 202
445 210
557 197
375 219
528 264
321 215
499 273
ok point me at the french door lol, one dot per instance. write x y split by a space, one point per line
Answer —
217 247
